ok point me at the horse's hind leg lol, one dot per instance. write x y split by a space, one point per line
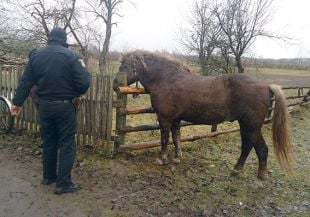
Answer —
253 137
246 147
261 150
175 129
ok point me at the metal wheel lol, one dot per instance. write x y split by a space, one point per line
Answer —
6 119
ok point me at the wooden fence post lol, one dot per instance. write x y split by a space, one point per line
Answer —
120 115
109 147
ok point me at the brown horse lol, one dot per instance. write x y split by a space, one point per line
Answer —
178 94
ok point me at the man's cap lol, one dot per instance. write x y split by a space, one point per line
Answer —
58 35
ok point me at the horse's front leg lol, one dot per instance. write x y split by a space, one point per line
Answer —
164 133
175 130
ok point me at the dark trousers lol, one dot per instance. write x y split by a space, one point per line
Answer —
59 124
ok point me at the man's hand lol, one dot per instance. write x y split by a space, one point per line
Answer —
15 110
76 102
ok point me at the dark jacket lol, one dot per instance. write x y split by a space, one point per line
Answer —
56 70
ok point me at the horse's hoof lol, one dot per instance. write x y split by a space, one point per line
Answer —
176 160
235 172
262 176
159 162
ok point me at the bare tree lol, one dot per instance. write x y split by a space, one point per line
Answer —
223 58
8 42
241 22
33 19
202 34
38 17
105 10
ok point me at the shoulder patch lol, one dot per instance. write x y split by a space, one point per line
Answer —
82 63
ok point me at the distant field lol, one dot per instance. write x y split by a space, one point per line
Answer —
283 77
275 71
113 68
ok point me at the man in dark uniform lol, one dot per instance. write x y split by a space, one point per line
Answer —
60 77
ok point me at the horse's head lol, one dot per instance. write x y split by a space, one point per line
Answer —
132 64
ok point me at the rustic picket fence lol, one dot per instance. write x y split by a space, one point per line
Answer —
94 116
295 96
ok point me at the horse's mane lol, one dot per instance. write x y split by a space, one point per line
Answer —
159 60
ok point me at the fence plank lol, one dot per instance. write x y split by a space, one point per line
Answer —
1 77
152 144
109 108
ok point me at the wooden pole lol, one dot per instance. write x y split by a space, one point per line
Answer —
297 103
296 97
120 117
147 127
138 111
152 144
131 90
1 72
109 148
288 88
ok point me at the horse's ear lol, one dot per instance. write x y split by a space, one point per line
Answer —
140 60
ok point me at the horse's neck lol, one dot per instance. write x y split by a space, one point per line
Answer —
148 85
151 81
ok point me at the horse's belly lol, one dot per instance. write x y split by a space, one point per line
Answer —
203 120
206 116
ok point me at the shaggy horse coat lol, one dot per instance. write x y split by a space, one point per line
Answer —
178 94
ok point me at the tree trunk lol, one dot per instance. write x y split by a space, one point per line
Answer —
203 66
103 63
204 61
106 44
239 65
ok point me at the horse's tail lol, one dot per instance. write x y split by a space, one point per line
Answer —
280 127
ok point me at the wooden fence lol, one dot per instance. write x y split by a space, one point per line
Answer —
94 116
299 98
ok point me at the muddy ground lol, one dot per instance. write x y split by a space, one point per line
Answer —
132 185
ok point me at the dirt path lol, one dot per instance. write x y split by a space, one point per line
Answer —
21 193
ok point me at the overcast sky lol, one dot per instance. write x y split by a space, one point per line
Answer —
153 25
